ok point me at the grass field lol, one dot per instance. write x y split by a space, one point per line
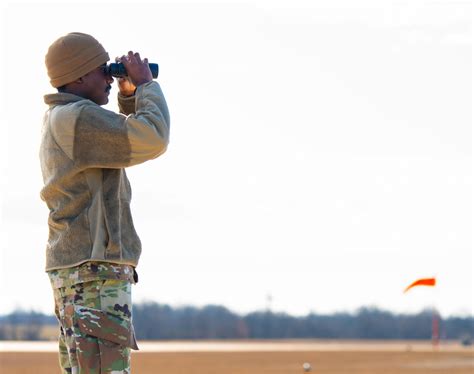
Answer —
270 357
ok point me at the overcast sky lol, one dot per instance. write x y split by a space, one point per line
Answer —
320 155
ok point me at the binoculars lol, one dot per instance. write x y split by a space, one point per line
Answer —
118 70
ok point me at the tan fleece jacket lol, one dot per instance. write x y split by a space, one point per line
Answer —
83 153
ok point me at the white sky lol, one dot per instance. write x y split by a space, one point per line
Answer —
320 152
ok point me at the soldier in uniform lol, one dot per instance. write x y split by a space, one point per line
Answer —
93 248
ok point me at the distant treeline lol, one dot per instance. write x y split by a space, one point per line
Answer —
158 321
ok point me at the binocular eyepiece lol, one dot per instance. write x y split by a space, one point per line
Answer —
118 70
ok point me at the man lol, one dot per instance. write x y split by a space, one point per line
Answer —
93 249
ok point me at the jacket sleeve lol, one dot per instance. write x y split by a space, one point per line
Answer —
126 104
105 139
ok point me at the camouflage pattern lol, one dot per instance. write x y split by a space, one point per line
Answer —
96 331
90 271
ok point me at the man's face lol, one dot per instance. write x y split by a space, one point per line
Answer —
97 85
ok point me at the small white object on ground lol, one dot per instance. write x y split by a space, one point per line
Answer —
307 366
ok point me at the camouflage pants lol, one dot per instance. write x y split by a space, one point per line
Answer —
96 331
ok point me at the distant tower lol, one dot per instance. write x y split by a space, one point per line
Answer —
269 300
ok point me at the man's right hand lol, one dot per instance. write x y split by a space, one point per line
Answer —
138 71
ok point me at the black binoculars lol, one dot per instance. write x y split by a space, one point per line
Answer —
118 70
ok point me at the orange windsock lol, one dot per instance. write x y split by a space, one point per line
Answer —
422 282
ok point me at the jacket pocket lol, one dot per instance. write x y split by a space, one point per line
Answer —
105 326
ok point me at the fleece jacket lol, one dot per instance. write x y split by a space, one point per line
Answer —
84 152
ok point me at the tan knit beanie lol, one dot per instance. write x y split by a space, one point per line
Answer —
73 56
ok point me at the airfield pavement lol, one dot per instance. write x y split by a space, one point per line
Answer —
263 357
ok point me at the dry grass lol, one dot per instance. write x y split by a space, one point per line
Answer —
329 362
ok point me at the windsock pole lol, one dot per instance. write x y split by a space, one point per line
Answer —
435 319
435 329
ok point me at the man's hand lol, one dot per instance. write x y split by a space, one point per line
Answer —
126 87
138 73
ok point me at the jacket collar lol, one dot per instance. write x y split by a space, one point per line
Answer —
61 98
